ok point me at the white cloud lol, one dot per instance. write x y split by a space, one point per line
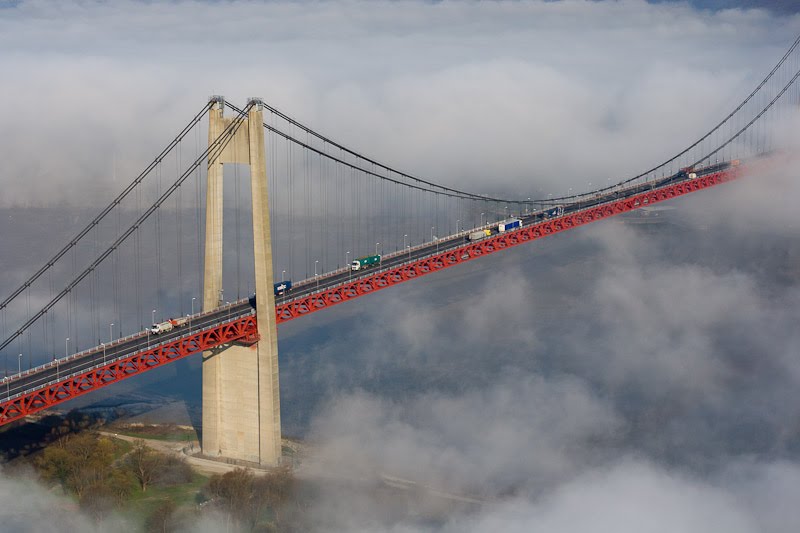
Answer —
27 506
631 496
481 95
479 442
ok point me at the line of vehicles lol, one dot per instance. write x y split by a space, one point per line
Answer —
285 286
515 223
502 227
281 288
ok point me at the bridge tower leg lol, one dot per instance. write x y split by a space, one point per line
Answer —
241 401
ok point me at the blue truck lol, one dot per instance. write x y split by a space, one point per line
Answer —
556 211
509 225
282 287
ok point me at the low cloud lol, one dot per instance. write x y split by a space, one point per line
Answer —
628 496
28 506
482 442
529 98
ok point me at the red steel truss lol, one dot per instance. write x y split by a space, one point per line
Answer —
242 329
381 280
246 330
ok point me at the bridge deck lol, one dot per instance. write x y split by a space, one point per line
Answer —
68 378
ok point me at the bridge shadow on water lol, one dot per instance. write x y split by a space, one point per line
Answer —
26 438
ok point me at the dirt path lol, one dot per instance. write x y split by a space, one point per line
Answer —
210 467
179 449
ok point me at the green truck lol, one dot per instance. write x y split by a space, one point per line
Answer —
364 262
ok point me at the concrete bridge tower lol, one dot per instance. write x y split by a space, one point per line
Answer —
241 401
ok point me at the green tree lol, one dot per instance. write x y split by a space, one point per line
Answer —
77 461
272 491
232 491
163 518
248 500
145 463
173 470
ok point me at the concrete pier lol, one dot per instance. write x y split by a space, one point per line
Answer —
241 396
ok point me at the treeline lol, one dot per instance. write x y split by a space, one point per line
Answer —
255 503
101 475
104 474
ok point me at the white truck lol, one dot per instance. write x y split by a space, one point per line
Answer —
478 235
169 325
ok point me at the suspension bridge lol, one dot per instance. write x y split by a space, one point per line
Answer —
321 224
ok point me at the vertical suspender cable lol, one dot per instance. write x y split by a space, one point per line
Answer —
197 200
159 239
291 232
237 193
178 232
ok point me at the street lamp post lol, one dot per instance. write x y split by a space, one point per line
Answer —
405 236
104 352
153 320
432 227
376 247
458 224
409 252
66 352
315 272
482 219
111 333
19 364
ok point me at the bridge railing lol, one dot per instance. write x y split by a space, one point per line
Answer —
7 381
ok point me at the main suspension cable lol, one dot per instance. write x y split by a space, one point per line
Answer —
214 150
114 203
455 193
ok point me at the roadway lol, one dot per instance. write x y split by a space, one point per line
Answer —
63 368
396 259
